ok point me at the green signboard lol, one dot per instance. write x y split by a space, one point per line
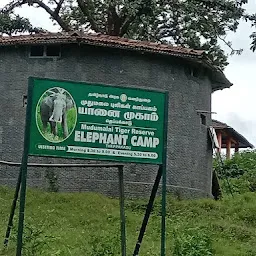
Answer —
81 120
92 121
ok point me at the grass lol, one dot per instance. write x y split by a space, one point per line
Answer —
88 224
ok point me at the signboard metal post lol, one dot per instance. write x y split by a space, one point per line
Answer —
14 203
122 210
148 211
163 166
24 171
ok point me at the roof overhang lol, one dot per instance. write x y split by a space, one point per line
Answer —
229 132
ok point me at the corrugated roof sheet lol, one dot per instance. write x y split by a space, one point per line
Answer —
118 42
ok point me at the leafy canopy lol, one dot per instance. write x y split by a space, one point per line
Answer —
198 24
13 24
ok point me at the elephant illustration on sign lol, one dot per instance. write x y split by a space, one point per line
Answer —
53 110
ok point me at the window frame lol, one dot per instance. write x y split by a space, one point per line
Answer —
203 119
45 56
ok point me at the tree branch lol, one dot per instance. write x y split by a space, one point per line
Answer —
126 24
84 5
53 13
114 22
233 51
12 5
144 8
57 10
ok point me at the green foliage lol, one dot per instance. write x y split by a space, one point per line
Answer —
52 180
192 242
105 246
239 164
198 24
88 224
36 242
71 117
13 24
239 172
242 184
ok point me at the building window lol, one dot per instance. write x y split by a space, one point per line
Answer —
25 100
203 119
195 72
53 51
37 51
44 51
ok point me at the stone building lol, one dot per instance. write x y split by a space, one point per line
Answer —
187 74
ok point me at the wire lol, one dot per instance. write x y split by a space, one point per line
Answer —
61 165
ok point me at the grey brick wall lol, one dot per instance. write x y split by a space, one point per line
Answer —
189 154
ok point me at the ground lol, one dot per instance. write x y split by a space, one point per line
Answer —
88 224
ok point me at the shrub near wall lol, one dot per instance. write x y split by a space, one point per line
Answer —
239 172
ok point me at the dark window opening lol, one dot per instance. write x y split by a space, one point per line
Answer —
187 70
37 51
203 119
196 72
53 50
25 99
45 51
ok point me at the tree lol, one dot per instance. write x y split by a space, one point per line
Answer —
198 24
13 24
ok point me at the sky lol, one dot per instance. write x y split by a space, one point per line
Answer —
235 106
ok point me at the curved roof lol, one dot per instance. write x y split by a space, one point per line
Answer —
196 56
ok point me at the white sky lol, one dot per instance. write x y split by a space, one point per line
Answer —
235 106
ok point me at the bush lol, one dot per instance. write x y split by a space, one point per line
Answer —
238 174
235 167
192 242
243 184
35 240
105 246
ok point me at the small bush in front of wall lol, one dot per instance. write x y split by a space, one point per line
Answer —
238 174
52 181
192 242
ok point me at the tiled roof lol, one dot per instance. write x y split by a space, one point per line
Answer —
197 56
99 39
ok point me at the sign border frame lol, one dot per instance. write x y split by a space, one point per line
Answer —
164 92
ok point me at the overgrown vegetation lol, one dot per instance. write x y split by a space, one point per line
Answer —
88 224
14 24
52 179
238 173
